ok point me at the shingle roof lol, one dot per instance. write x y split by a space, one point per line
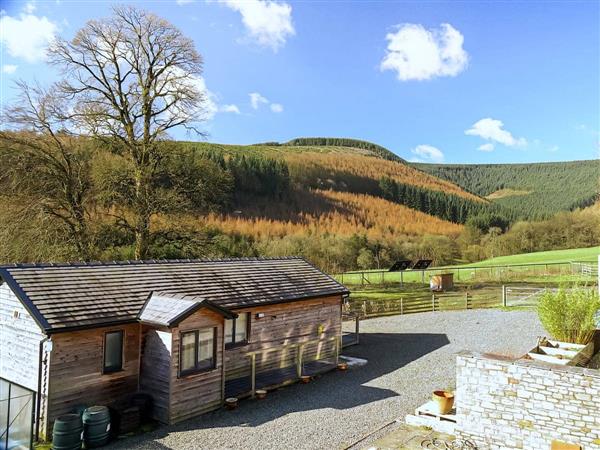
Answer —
91 294
168 309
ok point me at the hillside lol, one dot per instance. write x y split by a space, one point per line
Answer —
335 201
338 189
529 191
343 204
352 169
547 257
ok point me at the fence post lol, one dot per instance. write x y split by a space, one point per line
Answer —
357 329
458 274
433 302
467 300
402 279
504 296
362 279
253 359
299 366
401 305
342 281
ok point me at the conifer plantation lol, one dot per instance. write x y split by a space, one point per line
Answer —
342 207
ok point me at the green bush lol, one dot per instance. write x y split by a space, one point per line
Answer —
569 314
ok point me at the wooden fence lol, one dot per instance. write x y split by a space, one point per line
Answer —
427 303
497 273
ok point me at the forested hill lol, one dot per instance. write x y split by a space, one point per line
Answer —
348 166
341 203
530 191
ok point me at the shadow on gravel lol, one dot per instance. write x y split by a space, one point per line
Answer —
385 352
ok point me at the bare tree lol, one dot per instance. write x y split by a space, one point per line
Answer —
46 164
134 77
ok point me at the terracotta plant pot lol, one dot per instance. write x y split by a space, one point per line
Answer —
342 366
305 379
231 403
444 401
261 394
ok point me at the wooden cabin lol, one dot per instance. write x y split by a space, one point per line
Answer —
189 333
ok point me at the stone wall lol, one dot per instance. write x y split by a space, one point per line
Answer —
502 403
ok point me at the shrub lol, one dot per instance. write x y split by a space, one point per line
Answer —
569 315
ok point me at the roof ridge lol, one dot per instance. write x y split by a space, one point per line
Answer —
42 265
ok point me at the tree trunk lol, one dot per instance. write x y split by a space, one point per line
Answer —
142 213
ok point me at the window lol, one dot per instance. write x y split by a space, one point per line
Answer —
236 330
113 351
198 351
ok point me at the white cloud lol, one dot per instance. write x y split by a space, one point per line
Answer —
230 109
427 153
489 147
267 22
276 107
27 36
29 7
9 68
415 53
256 100
492 130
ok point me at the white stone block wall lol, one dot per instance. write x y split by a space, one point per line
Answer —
20 338
506 404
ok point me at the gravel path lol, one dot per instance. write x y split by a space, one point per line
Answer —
409 356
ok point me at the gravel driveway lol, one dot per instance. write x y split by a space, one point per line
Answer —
409 356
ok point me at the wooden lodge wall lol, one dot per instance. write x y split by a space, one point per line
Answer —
192 395
75 370
155 370
284 324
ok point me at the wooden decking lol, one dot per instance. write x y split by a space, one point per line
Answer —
271 379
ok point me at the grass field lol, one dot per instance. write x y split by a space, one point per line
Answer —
555 256
553 267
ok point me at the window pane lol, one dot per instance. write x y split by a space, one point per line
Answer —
206 348
188 351
241 327
113 352
228 331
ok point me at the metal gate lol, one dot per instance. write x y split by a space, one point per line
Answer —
17 407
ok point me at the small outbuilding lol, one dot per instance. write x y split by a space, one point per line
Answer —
442 282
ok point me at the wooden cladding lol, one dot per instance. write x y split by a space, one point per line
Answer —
76 370
283 324
199 392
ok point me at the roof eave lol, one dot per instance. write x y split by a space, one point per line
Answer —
227 314
39 319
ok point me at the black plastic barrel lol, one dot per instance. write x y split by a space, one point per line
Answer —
66 433
96 426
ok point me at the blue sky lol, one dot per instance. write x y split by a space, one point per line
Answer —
459 82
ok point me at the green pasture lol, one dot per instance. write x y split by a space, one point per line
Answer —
549 257
543 267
